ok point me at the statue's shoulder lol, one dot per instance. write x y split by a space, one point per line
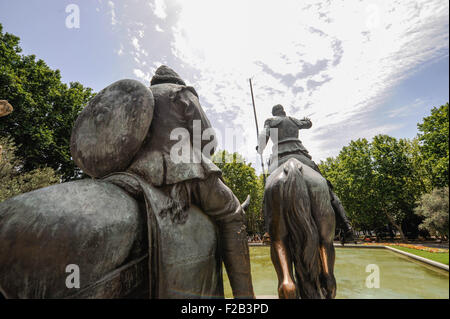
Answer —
171 89
273 121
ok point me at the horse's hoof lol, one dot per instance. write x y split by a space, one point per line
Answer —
287 291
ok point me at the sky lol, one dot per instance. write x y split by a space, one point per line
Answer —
355 68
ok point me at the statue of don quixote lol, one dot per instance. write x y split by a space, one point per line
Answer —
301 210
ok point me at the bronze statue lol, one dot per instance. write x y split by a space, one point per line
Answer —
301 227
300 209
196 180
287 145
5 109
148 225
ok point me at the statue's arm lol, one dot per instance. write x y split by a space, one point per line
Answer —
304 123
263 137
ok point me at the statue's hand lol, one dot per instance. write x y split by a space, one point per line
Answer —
306 119
257 149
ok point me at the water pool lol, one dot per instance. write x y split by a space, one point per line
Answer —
400 276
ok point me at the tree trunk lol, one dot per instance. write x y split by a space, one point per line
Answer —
399 228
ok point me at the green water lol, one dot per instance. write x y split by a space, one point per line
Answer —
399 276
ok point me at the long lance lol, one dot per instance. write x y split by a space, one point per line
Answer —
257 130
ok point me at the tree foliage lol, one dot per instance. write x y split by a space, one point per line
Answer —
241 178
434 208
376 182
434 145
353 177
44 109
12 181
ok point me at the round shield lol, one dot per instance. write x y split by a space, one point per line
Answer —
112 127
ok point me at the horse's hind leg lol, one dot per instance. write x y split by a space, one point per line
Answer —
279 248
324 216
328 282
283 267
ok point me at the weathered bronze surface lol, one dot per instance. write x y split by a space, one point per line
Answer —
111 128
196 180
301 227
287 145
101 228
151 227
5 108
300 210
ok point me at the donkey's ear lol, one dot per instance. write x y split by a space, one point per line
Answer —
246 203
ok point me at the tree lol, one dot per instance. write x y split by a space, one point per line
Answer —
393 173
12 181
44 109
377 182
353 176
241 178
434 145
434 208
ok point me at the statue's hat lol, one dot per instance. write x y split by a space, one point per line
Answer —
164 74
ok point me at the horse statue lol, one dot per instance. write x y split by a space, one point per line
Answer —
301 212
301 226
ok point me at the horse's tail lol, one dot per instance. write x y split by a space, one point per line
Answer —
303 235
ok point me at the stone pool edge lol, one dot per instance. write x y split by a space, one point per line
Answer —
422 259
419 258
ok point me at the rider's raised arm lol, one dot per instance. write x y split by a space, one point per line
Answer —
304 123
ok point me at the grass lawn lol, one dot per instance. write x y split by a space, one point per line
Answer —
439 257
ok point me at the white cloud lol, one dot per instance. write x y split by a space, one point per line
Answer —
340 59
120 51
135 43
141 75
112 12
335 62
159 9
138 50
405 110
